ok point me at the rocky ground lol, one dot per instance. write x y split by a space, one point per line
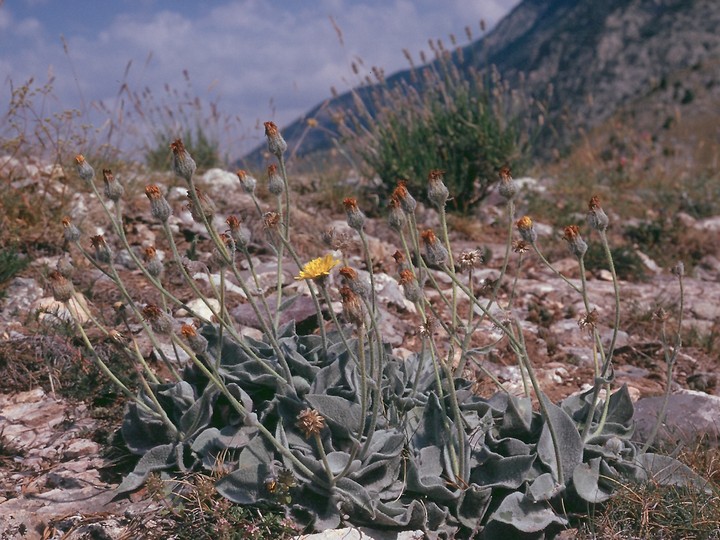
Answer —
57 470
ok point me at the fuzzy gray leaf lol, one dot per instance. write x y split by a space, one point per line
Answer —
159 458
586 479
570 442
526 515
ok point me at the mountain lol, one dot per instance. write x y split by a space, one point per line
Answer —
584 59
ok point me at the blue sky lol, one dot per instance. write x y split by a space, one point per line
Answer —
258 59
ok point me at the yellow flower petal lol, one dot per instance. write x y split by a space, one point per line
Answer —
319 267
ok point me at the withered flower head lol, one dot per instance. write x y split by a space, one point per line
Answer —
318 269
407 201
661 314
183 164
679 269
589 321
577 245
246 181
276 185
276 143
159 207
113 188
437 190
508 187
352 306
239 237
197 343
427 328
399 257
597 218
527 230
310 422
102 250
352 279
84 170
355 218
469 259
159 320
435 252
70 232
62 288
223 259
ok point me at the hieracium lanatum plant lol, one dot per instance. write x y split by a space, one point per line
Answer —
328 424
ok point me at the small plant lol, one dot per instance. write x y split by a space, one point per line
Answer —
329 426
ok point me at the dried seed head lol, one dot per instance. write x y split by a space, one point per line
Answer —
62 288
355 218
435 252
679 269
70 232
223 259
589 321
206 206
527 229
159 207
247 181
271 220
396 217
335 240
65 267
275 182
183 164
437 190
520 246
159 320
276 143
84 170
410 286
469 259
508 187
597 218
661 314
577 245
113 188
310 422
153 264
352 306
407 201
197 343
102 250
427 328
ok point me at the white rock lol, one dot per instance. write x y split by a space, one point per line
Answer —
200 307
54 312
361 534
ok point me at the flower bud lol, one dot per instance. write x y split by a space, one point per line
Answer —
407 202
62 288
247 182
102 250
65 267
508 187
355 218
577 245
527 230
276 143
352 280
84 170
437 190
159 207
153 264
113 188
352 306
238 235
183 164
198 344
410 286
159 320
597 218
207 207
396 217
275 182
71 233
435 252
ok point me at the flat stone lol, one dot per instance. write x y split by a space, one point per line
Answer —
362 533
690 416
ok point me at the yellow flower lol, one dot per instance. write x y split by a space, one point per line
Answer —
318 268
